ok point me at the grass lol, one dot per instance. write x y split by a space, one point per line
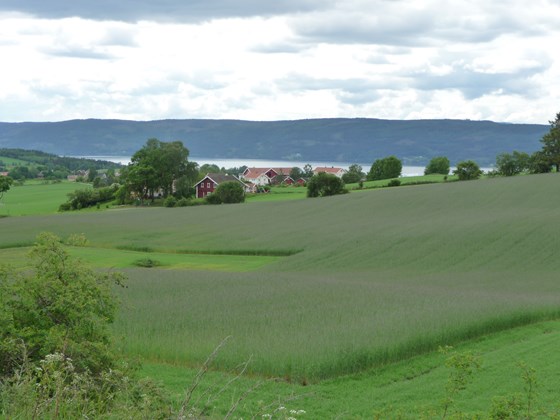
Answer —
382 276
36 198
409 389
112 258
279 194
407 180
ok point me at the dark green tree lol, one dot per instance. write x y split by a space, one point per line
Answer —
551 143
538 163
509 164
324 184
155 167
438 165
5 184
228 192
354 174
467 170
296 173
389 167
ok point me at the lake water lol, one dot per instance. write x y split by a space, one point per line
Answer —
263 163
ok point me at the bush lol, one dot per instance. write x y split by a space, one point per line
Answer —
183 202
394 183
323 184
227 192
170 201
389 167
467 170
147 262
438 165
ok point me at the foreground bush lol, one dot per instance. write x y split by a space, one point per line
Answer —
324 184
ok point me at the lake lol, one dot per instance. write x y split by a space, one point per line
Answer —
263 163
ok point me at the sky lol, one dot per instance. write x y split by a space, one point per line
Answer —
279 59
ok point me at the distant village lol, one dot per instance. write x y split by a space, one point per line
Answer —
257 179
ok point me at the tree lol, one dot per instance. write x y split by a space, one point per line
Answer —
307 170
467 170
509 164
296 173
155 167
389 167
228 192
538 163
551 143
5 184
438 165
354 174
324 184
60 306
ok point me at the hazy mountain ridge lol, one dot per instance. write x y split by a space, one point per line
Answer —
333 139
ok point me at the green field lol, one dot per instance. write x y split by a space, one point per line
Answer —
365 280
36 197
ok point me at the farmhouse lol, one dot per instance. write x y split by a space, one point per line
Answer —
332 170
211 181
4 173
264 176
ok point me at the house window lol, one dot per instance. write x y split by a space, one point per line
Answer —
207 185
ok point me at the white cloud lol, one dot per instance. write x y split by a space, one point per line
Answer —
357 58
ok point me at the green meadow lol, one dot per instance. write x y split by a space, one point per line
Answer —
359 284
36 197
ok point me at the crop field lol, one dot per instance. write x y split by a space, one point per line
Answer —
357 281
36 197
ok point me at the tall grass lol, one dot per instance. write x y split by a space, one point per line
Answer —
382 274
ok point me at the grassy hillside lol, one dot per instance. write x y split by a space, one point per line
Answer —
382 275
37 197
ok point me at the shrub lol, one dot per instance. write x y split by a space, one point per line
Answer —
227 192
183 202
394 183
438 165
467 170
323 184
147 262
170 201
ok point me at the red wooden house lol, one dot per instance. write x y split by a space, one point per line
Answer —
210 182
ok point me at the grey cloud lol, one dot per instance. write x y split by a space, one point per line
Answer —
354 91
475 84
280 48
79 52
165 10
118 37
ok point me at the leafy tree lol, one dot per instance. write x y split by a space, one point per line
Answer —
324 184
208 168
354 174
5 184
60 306
228 192
551 143
296 173
438 165
538 163
20 173
467 170
155 167
509 164
389 167
307 170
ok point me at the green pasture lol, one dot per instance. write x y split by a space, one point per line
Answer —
410 389
116 258
407 180
382 276
279 194
9 162
36 197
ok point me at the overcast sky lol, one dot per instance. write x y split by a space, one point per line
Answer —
279 59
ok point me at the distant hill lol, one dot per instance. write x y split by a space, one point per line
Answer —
336 139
